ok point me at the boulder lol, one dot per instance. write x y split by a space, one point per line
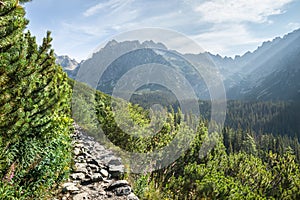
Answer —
70 188
122 191
78 176
132 196
116 184
81 196
104 173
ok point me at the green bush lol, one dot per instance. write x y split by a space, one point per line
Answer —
34 111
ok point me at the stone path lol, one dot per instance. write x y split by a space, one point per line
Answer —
96 172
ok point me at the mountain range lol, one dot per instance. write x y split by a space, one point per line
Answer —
271 72
69 65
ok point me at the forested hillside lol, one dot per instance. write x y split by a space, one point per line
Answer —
34 111
242 165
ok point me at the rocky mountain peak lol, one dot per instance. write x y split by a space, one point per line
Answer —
66 62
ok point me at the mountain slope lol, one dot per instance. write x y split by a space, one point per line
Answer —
269 73
118 58
276 77
70 66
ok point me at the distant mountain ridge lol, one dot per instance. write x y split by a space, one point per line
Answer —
271 72
66 62
69 65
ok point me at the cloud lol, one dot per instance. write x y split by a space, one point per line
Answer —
293 26
228 39
233 24
236 11
110 5
227 27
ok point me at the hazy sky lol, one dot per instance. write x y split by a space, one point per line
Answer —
226 27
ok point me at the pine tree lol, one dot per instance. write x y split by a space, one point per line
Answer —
34 106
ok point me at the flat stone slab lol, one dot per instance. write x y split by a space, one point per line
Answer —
116 170
116 184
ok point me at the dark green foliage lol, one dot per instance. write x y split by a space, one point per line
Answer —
230 176
93 110
34 110
24 1
259 144
242 165
277 117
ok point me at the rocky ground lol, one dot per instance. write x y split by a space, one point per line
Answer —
96 173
